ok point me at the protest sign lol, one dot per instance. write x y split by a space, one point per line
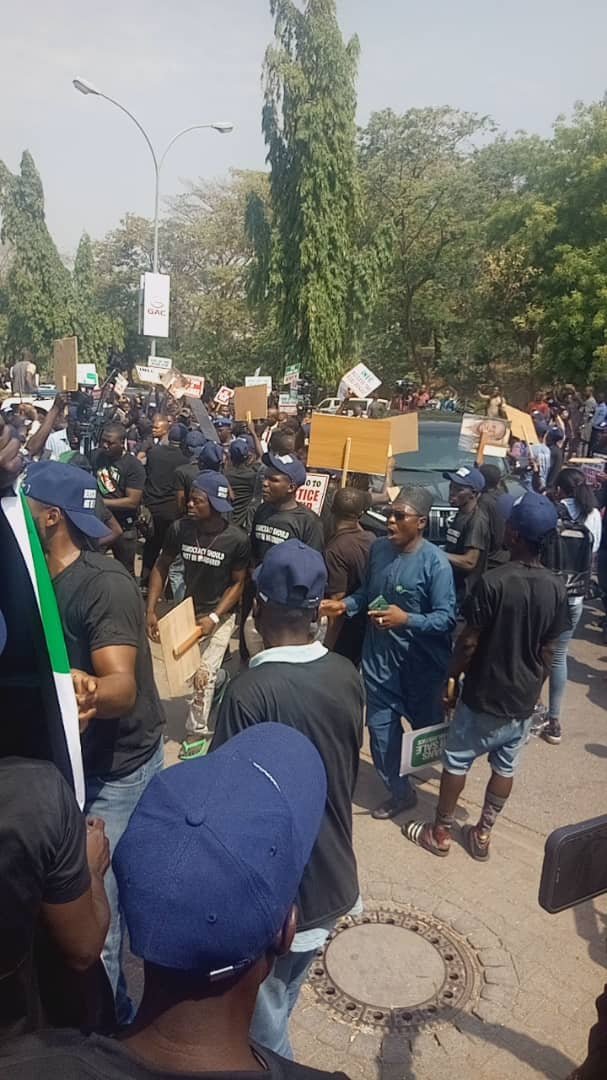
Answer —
287 404
192 385
521 425
154 376
87 375
422 748
259 380
250 403
492 431
291 375
312 493
223 396
371 442
162 362
120 384
65 363
361 380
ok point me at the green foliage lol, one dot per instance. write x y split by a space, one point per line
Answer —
97 331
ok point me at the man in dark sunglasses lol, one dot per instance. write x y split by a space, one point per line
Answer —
409 596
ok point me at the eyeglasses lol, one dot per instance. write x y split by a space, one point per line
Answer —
401 515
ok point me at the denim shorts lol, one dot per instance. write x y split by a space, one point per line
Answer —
472 734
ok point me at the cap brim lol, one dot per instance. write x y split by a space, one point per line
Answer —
222 506
89 524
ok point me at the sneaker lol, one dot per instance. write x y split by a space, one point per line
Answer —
552 731
540 719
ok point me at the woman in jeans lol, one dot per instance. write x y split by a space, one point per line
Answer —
576 502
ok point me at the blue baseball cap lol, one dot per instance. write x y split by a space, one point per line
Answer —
541 427
222 421
71 489
216 490
194 440
213 855
239 450
211 456
465 477
533 516
554 436
292 575
288 464
177 433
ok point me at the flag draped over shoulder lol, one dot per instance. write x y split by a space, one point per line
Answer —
39 713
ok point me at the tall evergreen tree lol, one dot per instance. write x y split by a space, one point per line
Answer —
97 331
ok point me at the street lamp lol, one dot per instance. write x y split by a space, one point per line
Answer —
224 127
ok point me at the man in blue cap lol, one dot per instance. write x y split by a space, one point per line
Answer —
223 426
209 867
280 517
241 473
215 556
121 717
514 617
295 681
469 534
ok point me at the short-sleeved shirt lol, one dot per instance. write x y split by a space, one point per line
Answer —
185 476
42 860
346 556
100 605
113 479
162 463
271 526
209 559
469 529
518 609
242 480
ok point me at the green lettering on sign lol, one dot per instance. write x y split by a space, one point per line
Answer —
428 747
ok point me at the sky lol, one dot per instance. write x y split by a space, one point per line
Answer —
179 62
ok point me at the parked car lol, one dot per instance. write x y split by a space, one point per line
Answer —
331 405
438 453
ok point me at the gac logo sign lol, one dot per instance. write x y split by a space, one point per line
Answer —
157 308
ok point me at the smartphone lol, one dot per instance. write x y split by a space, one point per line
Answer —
575 865
379 604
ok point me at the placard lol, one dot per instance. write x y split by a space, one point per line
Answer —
287 404
223 396
250 399
291 375
162 362
174 629
65 362
494 432
521 425
120 384
373 441
361 380
192 385
154 376
422 748
87 375
156 293
312 493
259 380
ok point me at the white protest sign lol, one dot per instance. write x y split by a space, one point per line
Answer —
361 380
192 385
163 362
156 293
287 404
291 377
120 384
422 747
223 396
155 376
312 493
87 375
259 380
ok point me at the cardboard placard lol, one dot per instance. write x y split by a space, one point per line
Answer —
521 424
65 362
312 493
361 380
493 432
422 748
250 399
373 442
175 628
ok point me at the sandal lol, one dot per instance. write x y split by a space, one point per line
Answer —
475 847
421 833
189 750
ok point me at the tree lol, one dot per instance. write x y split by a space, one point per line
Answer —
309 127
120 260
97 331
39 296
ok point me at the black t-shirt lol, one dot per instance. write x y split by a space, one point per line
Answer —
488 504
241 479
100 605
114 477
208 559
271 526
69 1055
184 478
556 464
469 529
162 462
42 860
518 609
346 556
323 699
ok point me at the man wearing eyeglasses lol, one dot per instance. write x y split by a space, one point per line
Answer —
409 596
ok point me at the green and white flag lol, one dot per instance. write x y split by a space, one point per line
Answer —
62 712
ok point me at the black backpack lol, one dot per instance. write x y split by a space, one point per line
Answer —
567 550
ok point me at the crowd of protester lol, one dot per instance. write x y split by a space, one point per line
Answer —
230 869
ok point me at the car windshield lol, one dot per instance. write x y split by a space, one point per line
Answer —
438 452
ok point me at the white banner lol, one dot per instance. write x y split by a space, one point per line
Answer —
259 380
154 375
312 493
156 293
361 380
164 363
87 375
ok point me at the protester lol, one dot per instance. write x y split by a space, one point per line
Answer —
280 517
103 621
376 410
539 456
241 473
103 512
598 424
24 378
587 414
468 535
488 503
495 402
159 493
408 594
346 556
295 681
120 480
223 425
51 889
514 617
215 558
232 915
539 405
554 442
51 439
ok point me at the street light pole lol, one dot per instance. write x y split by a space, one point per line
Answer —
224 127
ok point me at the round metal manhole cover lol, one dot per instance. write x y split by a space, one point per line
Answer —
394 970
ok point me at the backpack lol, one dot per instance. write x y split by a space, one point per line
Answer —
567 551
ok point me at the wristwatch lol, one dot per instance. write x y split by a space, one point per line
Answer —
214 617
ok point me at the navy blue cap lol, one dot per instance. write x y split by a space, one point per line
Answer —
177 433
239 450
70 489
288 464
222 421
211 456
216 490
533 516
211 860
465 477
541 427
504 504
553 436
292 575
195 439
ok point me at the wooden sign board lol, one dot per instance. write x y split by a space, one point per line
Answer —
174 629
250 399
65 362
522 425
373 442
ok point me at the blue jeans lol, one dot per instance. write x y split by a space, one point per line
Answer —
558 671
114 802
276 1000
386 733
473 734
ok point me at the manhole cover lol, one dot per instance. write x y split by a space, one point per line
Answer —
394 970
